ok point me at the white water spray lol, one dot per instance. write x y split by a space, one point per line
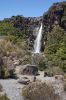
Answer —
37 45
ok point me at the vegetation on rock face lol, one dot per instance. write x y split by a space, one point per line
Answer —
20 28
55 48
4 73
4 97
39 91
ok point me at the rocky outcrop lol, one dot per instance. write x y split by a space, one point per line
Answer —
56 15
27 69
27 26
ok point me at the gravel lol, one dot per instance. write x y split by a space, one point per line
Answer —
12 88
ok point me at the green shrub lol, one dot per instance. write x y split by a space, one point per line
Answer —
4 97
4 73
42 65
55 49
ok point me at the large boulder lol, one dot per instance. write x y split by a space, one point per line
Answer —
27 69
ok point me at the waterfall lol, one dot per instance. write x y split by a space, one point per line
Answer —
37 44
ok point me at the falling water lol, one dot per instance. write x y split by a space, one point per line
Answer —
37 45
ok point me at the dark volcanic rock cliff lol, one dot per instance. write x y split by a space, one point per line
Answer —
27 26
56 15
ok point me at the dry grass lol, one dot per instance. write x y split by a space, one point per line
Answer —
8 47
39 91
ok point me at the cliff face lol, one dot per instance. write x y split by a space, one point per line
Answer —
56 15
27 26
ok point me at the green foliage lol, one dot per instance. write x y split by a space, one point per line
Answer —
42 65
4 73
63 18
7 29
4 97
1 88
55 48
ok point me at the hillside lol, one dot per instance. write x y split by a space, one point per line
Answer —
17 36
25 74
